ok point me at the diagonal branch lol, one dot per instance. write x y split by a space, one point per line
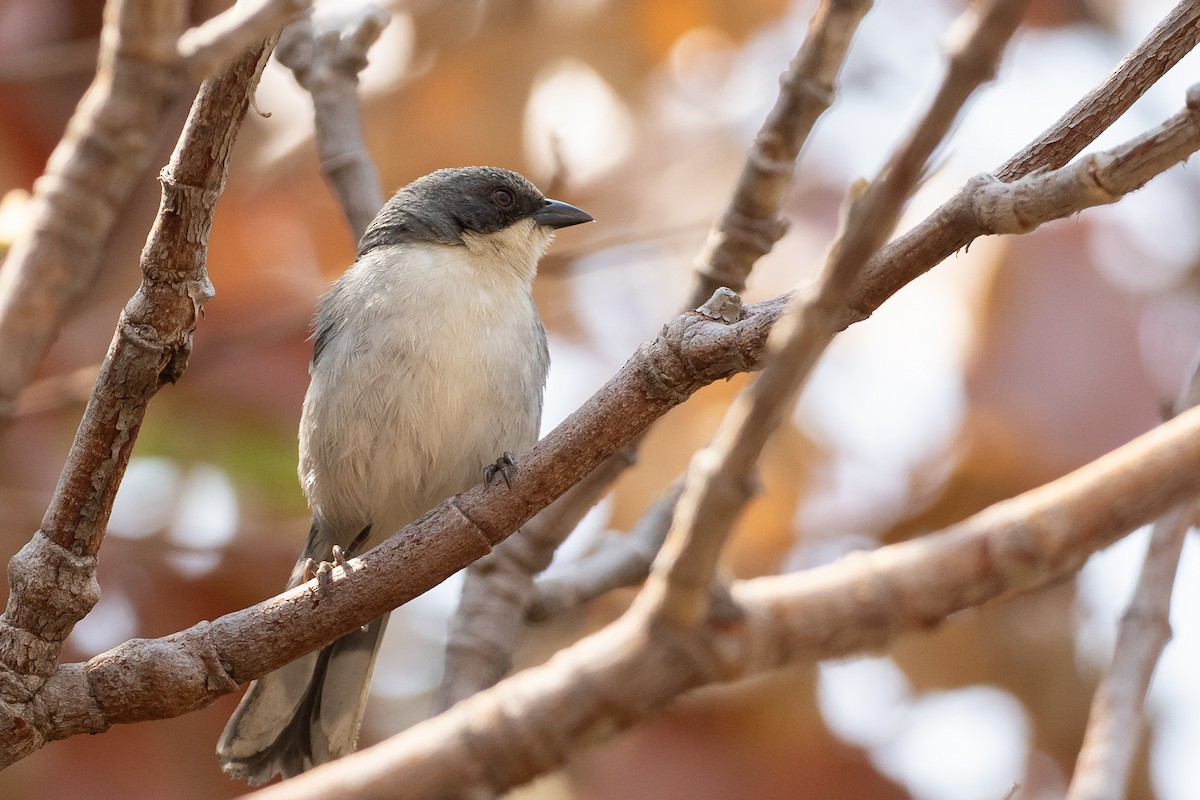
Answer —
91 172
951 226
1025 203
621 675
52 579
751 225
498 590
719 476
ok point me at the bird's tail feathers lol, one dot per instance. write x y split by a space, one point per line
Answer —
303 714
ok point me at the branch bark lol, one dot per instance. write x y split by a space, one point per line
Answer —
326 62
605 683
104 150
52 579
951 226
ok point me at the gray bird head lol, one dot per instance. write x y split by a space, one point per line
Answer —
444 205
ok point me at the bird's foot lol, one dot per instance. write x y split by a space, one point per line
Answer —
503 467
323 571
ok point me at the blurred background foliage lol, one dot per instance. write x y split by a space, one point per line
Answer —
1007 366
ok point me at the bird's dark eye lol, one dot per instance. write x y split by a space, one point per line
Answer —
503 198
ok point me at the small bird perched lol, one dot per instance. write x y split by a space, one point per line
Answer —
429 361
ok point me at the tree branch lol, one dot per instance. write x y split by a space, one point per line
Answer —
951 227
720 476
104 150
1117 716
326 63
751 224
605 683
52 582
1025 203
498 590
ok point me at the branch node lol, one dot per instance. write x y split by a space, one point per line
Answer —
759 155
50 587
797 83
725 305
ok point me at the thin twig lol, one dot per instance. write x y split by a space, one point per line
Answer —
54 575
720 476
952 227
619 561
1022 205
326 62
531 722
751 225
206 47
1025 203
1118 708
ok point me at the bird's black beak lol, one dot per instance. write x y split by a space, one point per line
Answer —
557 214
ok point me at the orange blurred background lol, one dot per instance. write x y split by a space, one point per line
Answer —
1005 367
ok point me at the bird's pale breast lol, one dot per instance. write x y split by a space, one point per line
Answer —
449 379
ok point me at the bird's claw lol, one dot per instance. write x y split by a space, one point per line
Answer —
323 571
503 467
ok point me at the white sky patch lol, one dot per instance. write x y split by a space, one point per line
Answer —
575 375
960 744
410 658
112 621
621 296
863 702
389 59
1149 241
146 499
574 110
588 534
207 514
291 120
886 397
1103 589
964 744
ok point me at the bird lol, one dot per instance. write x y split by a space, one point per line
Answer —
429 362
